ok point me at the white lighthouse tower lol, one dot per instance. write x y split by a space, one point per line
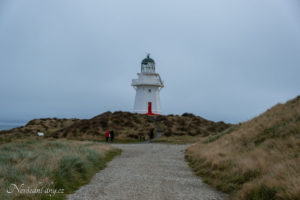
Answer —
147 86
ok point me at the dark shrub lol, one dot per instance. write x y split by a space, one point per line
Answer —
188 115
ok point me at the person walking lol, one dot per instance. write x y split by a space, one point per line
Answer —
151 134
107 135
112 135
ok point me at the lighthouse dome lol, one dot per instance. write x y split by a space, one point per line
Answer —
148 65
148 60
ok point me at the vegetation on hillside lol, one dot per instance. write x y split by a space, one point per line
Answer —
256 160
189 124
49 164
48 126
127 127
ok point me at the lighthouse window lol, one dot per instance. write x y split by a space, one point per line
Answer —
149 90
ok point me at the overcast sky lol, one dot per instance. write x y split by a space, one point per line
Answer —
223 60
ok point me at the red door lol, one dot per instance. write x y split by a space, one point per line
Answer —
149 107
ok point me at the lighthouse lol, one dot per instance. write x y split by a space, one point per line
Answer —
147 86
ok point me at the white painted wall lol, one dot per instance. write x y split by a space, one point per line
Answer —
143 96
148 86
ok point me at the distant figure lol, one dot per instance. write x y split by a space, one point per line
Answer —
112 135
107 135
151 134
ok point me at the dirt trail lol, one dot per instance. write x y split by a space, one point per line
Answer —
147 172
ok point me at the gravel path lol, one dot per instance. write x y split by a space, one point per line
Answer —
147 172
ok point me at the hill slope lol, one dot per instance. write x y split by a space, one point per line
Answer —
256 160
127 126
130 126
45 125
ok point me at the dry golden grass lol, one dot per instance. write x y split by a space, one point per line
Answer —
259 160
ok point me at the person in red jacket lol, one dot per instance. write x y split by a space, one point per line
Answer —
107 135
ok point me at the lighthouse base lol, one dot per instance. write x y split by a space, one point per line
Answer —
152 114
147 100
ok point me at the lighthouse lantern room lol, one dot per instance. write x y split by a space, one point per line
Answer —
147 86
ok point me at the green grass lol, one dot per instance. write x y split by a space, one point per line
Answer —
57 164
6 138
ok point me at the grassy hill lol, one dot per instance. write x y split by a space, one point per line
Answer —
46 125
130 126
255 160
127 126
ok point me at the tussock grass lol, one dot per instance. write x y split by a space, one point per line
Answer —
256 160
57 164
127 127
46 125
130 126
